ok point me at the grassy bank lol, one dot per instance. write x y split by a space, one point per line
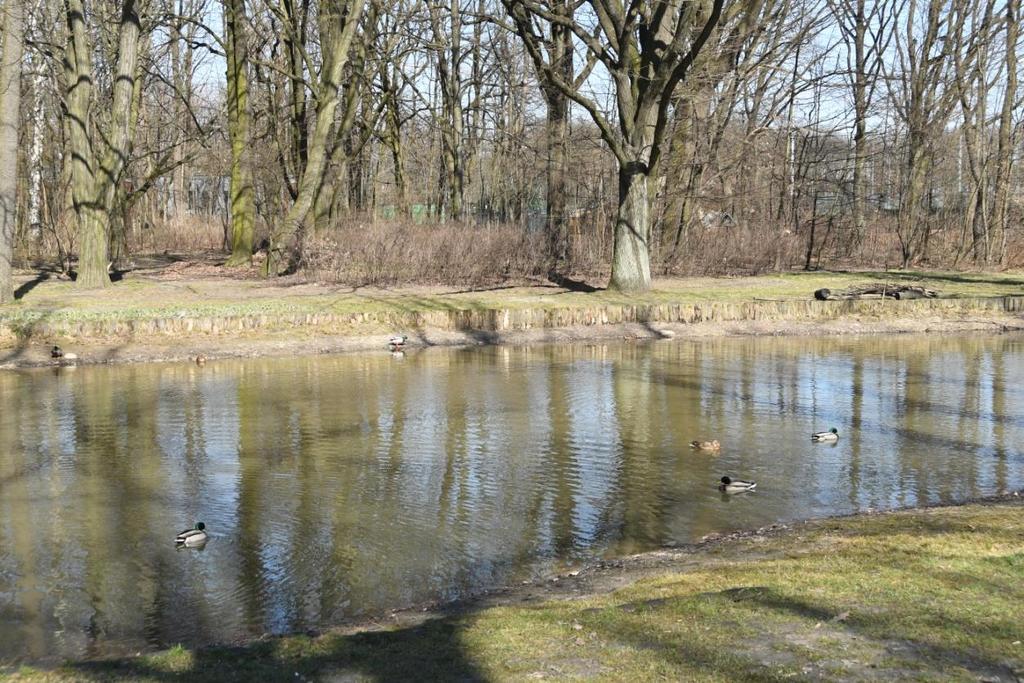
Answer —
919 595
154 293
170 304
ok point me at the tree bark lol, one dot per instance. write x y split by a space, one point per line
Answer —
449 80
94 181
860 124
392 136
92 228
10 120
241 192
560 54
557 170
631 260
1005 152
295 44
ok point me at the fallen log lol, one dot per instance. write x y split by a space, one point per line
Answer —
875 291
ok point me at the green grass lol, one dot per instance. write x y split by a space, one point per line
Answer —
922 595
145 298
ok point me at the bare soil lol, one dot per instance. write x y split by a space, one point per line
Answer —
301 342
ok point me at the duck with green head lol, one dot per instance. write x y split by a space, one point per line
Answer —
728 485
192 538
830 435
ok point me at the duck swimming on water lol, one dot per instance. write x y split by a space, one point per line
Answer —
830 435
191 538
712 445
736 485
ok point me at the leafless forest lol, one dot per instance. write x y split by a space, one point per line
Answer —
474 140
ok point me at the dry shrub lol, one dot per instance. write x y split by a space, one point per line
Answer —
742 249
386 253
187 233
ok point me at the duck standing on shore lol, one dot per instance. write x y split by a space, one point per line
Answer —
58 353
397 342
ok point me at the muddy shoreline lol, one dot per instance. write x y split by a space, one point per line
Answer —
580 582
605 576
304 342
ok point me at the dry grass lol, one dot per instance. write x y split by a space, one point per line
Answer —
188 234
388 253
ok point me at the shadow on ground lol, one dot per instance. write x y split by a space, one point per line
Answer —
430 651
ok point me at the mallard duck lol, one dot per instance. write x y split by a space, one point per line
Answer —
712 445
200 359
192 537
66 357
830 435
397 341
736 485
60 354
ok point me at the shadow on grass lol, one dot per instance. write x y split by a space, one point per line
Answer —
431 651
935 656
28 286
571 284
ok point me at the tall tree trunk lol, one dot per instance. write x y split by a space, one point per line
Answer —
912 235
557 170
241 192
10 120
95 181
295 43
681 163
124 112
860 155
449 81
92 227
1005 153
393 140
392 136
631 260
35 147
860 120
283 240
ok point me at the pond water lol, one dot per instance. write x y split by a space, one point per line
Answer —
335 487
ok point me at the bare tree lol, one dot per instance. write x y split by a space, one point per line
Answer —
339 25
924 101
867 30
10 121
241 192
1006 142
646 49
98 157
